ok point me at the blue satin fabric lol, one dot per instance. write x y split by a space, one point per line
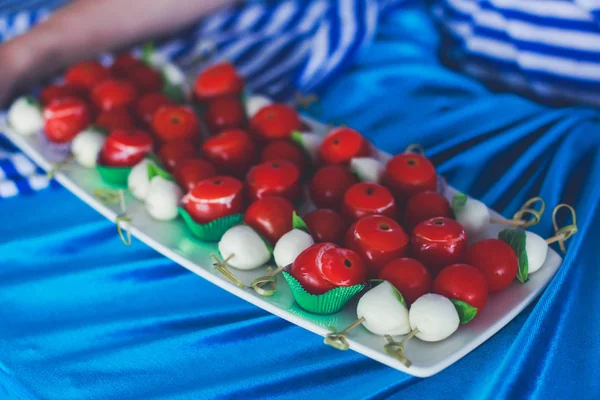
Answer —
83 317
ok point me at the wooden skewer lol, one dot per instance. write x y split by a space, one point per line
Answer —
338 339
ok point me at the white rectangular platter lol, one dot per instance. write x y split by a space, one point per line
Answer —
174 241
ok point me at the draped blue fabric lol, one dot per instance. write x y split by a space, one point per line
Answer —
83 317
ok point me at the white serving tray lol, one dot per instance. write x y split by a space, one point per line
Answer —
174 241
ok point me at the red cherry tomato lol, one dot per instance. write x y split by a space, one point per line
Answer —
409 276
148 104
329 184
117 118
225 113
175 123
218 80
343 144
191 171
175 152
462 282
145 79
112 93
275 121
325 266
86 74
53 92
377 239
123 64
64 118
365 198
232 152
326 225
407 174
271 217
125 148
274 178
215 198
423 206
496 260
438 242
284 150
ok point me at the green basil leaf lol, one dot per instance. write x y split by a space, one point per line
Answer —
466 312
296 137
517 239
298 223
173 92
155 170
459 201
399 296
32 101
147 51
98 128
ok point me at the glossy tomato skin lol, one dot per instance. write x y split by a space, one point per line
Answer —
423 206
343 144
496 260
325 266
326 225
64 118
175 152
215 198
462 282
438 242
123 64
175 123
145 79
86 74
55 91
378 240
328 186
275 121
409 276
148 104
271 217
407 174
117 118
284 150
193 170
218 80
112 93
232 151
225 113
125 148
365 198
274 178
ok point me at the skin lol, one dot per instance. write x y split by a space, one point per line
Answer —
101 25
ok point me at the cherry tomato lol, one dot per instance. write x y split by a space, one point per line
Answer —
407 174
175 123
145 79
64 118
496 260
423 206
284 150
274 178
271 217
218 80
175 152
342 145
328 186
117 118
365 198
232 152
438 242
462 282
326 225
193 170
123 64
86 74
325 266
53 92
148 104
409 276
275 121
225 113
215 198
125 148
112 93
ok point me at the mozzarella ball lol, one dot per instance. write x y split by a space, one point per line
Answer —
383 312
290 245
25 116
537 249
162 199
311 142
248 249
86 146
434 316
367 169
138 181
475 218
254 103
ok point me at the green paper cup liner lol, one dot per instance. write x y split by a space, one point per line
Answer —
116 176
327 303
212 231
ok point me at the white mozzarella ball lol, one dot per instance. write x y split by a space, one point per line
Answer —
248 249
25 116
158 60
311 142
162 199
174 74
367 169
138 181
86 146
537 249
254 103
434 316
290 245
474 217
383 312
